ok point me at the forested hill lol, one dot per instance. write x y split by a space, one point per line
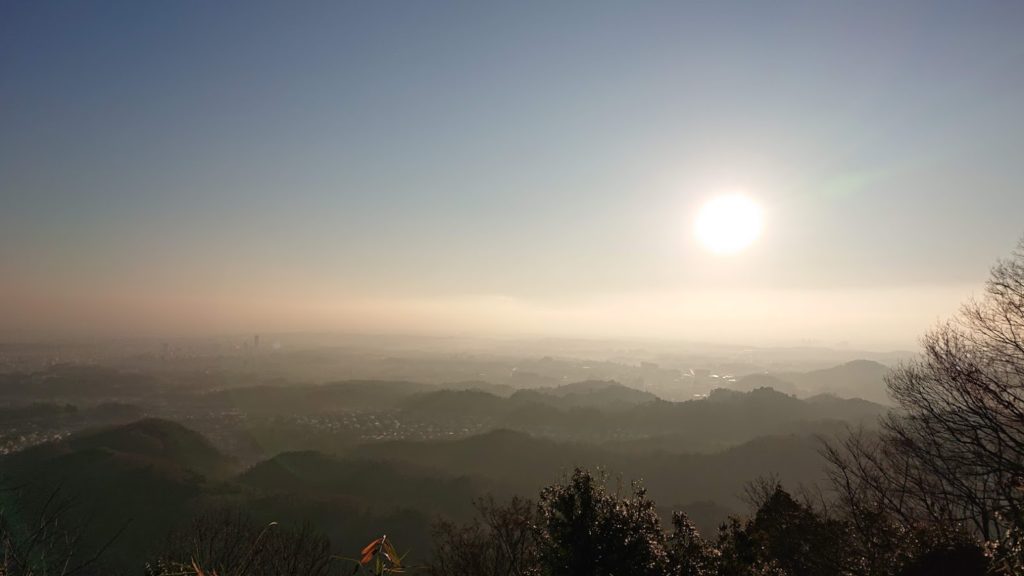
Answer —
152 475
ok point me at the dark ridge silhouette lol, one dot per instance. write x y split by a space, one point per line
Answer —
456 403
76 381
605 394
153 441
375 484
752 382
517 463
137 479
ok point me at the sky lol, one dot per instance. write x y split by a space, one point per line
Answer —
521 168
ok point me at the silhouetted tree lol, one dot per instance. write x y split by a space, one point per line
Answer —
586 530
960 435
886 530
948 466
957 559
688 553
46 539
499 542
228 542
785 537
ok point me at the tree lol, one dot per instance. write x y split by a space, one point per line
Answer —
962 427
948 466
585 530
885 504
48 538
228 542
688 553
500 541
783 537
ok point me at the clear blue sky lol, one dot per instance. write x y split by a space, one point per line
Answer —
521 167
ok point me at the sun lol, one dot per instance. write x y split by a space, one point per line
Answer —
729 223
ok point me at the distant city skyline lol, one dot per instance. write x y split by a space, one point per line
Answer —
528 169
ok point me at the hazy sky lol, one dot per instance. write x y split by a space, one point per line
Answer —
504 168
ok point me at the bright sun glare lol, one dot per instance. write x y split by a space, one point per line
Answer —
729 223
